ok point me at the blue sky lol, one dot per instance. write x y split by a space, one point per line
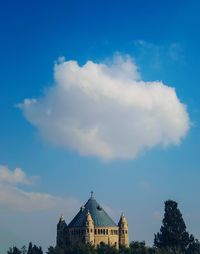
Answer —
162 38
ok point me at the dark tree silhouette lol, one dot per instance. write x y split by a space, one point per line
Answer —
34 249
51 250
194 247
23 250
14 250
106 249
173 236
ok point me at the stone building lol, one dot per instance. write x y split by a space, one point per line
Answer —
92 225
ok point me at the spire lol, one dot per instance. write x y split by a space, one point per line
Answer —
62 218
89 220
88 216
122 220
123 231
92 194
61 222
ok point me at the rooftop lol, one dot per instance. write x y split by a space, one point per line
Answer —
99 215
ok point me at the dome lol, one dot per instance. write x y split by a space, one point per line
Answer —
98 214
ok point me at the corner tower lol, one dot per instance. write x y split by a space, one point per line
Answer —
89 238
61 240
123 231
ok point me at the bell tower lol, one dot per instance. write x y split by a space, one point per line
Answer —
89 237
123 231
61 233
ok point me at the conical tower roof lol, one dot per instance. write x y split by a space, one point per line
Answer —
98 214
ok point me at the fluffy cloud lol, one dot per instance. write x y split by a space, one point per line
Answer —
16 176
13 198
106 110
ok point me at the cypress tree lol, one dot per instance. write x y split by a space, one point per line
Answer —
173 236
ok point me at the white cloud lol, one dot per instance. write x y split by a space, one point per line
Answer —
13 198
106 110
159 57
17 176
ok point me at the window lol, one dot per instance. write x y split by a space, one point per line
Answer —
95 231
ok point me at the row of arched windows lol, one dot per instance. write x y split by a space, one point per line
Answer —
97 231
105 232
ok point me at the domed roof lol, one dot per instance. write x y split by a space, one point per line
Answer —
99 216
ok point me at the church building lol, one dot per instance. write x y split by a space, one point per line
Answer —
92 225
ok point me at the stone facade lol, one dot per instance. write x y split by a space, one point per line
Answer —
93 225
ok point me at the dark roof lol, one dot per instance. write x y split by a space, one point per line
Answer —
99 216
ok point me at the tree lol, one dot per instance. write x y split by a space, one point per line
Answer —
34 249
103 248
23 250
194 247
138 248
51 250
30 248
173 236
14 250
124 250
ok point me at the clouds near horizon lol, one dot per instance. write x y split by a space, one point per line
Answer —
14 198
106 110
16 176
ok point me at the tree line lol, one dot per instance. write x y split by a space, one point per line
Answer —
173 238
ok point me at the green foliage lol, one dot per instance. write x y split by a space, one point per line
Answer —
138 248
14 250
51 250
141 248
23 250
194 247
173 237
106 249
124 250
31 250
34 249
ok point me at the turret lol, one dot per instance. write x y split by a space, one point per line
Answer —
123 231
61 233
89 229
